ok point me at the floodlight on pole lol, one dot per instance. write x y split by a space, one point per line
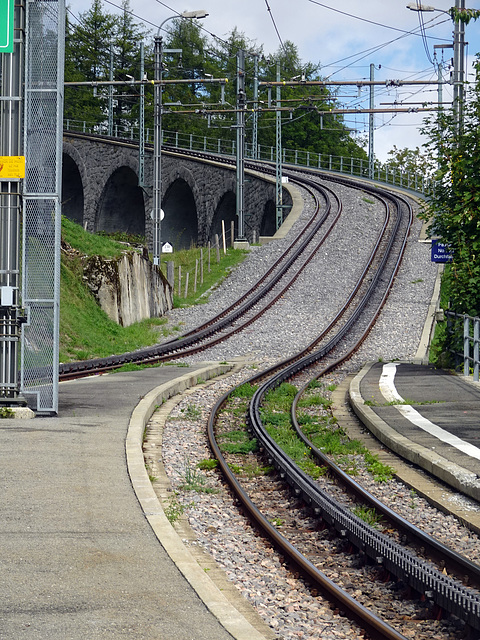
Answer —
413 6
157 132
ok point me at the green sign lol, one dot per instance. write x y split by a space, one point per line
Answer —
6 26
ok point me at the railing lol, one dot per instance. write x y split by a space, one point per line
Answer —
310 159
458 324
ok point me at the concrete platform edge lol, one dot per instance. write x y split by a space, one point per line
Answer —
233 621
450 473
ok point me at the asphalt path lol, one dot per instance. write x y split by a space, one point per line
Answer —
78 559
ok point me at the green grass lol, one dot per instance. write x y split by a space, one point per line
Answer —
194 480
187 260
368 515
91 244
275 415
237 442
244 391
322 431
85 330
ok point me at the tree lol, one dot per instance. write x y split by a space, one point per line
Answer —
410 161
305 126
201 112
453 210
87 59
191 63
126 38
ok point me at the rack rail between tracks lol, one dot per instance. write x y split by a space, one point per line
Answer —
446 592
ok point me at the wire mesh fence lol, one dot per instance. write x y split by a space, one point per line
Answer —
42 197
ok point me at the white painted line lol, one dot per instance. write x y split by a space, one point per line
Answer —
390 393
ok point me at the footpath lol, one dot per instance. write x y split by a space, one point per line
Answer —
79 559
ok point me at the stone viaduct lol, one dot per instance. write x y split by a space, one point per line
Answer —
100 191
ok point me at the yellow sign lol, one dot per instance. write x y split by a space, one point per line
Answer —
12 167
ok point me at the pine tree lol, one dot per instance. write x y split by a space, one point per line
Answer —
126 48
87 59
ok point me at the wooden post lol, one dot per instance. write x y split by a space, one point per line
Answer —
209 255
196 274
201 265
217 247
171 273
186 285
232 233
179 280
223 238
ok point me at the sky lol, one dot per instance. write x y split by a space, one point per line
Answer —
345 37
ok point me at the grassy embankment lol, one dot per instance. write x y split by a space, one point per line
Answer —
86 331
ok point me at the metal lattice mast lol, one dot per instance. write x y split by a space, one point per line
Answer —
278 163
458 66
43 144
241 102
371 126
141 133
255 110
110 95
11 109
157 150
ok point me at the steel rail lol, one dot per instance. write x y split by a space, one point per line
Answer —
445 592
454 563
377 627
182 346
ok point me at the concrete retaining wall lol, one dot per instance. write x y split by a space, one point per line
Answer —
129 288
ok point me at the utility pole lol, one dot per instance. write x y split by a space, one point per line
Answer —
371 126
241 103
458 66
278 163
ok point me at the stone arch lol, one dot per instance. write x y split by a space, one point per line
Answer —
268 224
121 206
72 190
225 210
180 224
73 180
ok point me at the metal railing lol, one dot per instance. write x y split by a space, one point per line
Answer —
309 159
464 341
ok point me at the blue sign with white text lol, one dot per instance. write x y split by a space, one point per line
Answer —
440 252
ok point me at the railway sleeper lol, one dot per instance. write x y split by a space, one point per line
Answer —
447 593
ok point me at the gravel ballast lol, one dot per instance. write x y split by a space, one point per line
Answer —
288 607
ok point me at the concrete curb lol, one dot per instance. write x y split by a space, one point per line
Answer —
423 351
233 621
460 479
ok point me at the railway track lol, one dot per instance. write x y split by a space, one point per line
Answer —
448 594
333 346
266 291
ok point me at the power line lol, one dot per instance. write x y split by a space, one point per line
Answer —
275 27
378 47
351 15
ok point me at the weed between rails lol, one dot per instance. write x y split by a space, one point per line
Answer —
316 421
321 428
194 480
